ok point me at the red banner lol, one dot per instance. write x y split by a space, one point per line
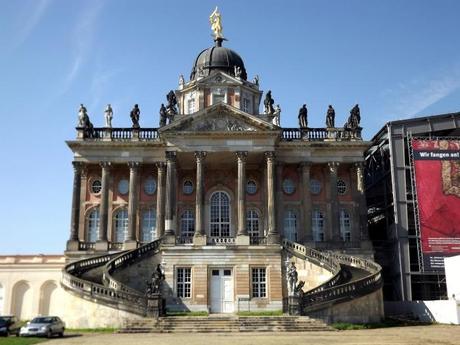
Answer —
437 178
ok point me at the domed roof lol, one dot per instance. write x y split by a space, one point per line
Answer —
217 58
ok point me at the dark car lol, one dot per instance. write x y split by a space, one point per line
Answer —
43 326
9 325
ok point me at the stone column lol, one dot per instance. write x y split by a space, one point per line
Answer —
133 201
273 236
333 209
306 204
200 236
72 243
160 222
102 243
170 204
362 230
242 237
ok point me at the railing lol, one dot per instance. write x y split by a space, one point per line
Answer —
115 245
320 134
135 303
121 133
257 240
148 134
118 134
221 240
332 291
184 239
86 245
125 259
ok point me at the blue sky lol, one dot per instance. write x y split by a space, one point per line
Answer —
397 59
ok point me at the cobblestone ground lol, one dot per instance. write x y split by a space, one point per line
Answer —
420 335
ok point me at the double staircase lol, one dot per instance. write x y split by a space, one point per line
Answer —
92 279
219 324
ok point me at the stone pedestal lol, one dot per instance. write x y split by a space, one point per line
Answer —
130 244
294 305
273 238
199 240
107 134
155 306
135 134
169 240
72 245
242 240
101 246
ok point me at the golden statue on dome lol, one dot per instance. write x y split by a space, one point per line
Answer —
216 24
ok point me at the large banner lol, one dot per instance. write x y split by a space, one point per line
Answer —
437 179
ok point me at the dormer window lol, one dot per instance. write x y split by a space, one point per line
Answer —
218 95
191 106
246 105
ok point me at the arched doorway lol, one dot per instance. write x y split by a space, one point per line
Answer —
21 305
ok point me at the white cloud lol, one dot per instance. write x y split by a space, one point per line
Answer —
411 97
29 24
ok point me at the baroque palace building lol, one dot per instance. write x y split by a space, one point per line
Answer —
223 199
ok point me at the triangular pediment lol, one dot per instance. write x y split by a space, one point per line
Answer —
221 78
221 118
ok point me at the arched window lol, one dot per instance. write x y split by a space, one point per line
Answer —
1 300
290 225
149 225
187 223
121 225
317 225
92 225
220 215
252 223
345 226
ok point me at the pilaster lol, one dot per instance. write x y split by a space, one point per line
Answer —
102 244
72 243
160 221
273 235
170 207
133 200
199 236
242 237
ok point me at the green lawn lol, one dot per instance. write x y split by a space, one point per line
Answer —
12 340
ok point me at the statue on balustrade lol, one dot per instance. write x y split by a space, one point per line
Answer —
354 119
108 114
163 115
82 112
171 109
292 278
85 123
303 117
268 103
330 117
135 115
154 286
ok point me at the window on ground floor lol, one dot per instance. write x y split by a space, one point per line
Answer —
259 282
184 282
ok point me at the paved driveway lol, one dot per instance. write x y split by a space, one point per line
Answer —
419 335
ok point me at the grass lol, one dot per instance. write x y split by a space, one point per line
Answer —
345 326
12 340
261 313
187 313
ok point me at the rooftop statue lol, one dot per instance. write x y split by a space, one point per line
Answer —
330 117
171 107
108 114
268 103
163 115
292 278
135 114
303 114
256 80
354 119
277 115
81 115
216 24
181 81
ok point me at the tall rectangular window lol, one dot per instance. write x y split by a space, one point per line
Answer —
191 105
246 105
184 282
259 282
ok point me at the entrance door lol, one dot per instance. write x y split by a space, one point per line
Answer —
222 290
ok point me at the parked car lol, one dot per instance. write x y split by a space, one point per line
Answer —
9 325
43 326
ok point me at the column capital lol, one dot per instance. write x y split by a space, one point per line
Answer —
269 155
200 155
105 164
133 165
78 167
160 165
171 156
333 167
242 155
